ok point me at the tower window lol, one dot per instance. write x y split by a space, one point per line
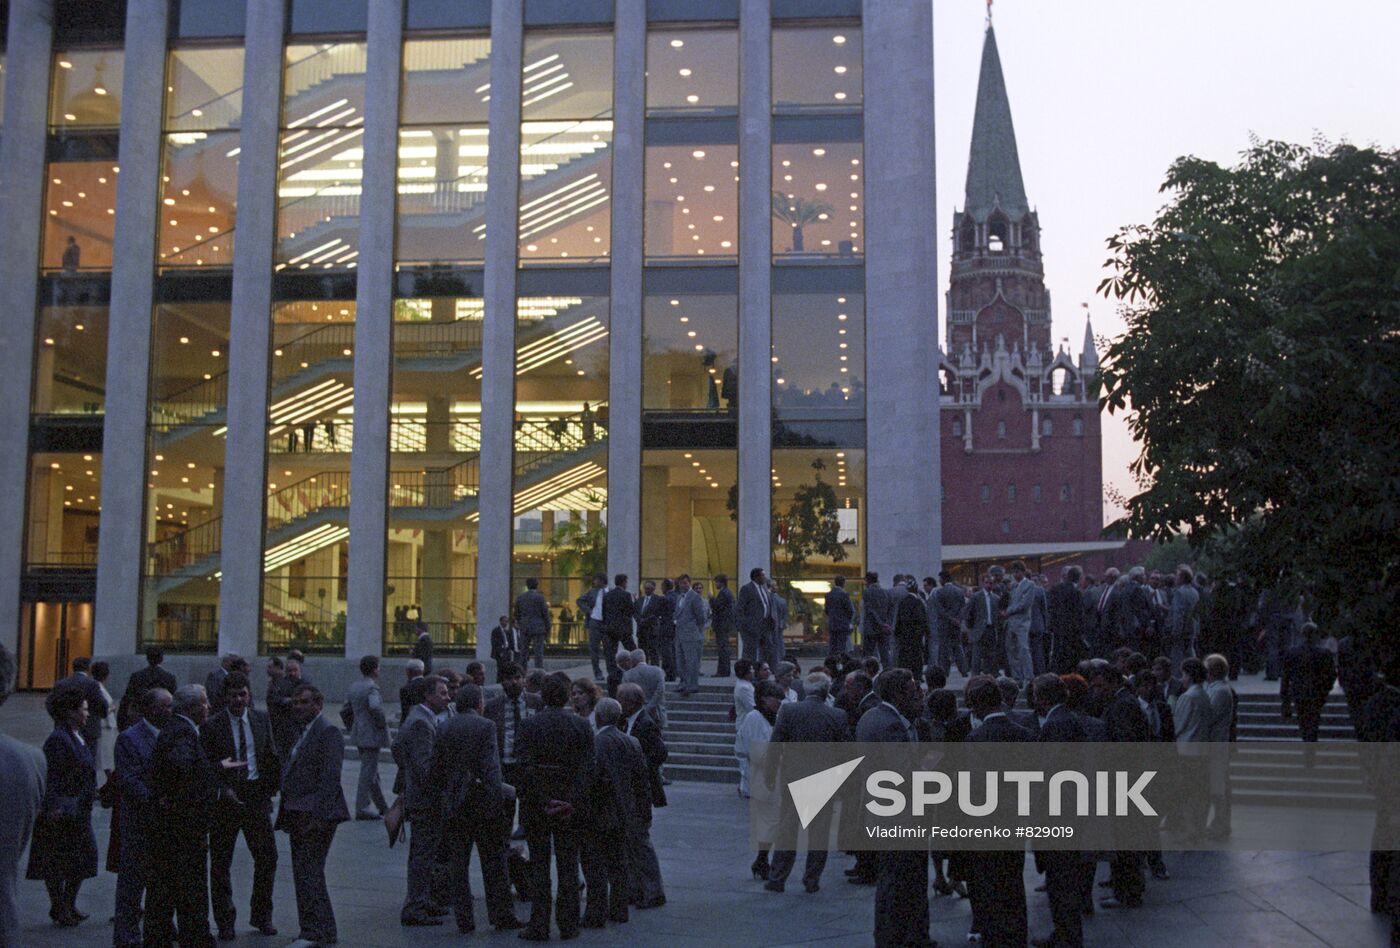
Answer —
1001 430
998 234
957 428
1047 427
1035 493
1006 526
1065 493
1078 426
1011 493
986 493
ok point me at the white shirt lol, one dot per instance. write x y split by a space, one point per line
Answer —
633 719
908 727
596 613
240 722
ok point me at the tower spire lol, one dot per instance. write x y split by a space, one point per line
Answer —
1089 355
994 168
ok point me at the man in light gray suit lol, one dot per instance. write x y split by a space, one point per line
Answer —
1181 618
532 619
1018 625
652 681
22 771
369 732
690 635
806 721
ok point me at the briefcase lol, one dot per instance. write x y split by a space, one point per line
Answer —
393 821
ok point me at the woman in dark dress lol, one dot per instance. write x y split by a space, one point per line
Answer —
64 850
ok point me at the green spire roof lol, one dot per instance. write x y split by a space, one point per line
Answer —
994 169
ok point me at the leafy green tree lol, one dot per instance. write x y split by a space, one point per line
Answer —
810 527
1260 370
579 549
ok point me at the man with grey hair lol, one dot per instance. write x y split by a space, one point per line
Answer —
22 771
411 693
1106 604
617 795
806 721
652 681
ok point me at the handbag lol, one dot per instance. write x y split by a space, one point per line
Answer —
393 821
347 715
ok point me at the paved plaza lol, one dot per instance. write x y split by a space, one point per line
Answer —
1213 899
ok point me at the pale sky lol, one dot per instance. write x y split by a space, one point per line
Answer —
1106 94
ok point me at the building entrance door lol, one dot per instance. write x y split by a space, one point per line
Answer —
52 634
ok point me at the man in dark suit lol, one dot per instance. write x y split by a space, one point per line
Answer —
507 710
185 786
666 628
1069 876
1309 672
135 814
467 770
554 748
140 682
214 681
981 627
911 632
722 609
755 613
1065 622
92 693
243 734
877 621
1105 615
507 644
644 871
533 620
948 605
840 617
648 616
615 803
279 702
1124 721
313 805
901 892
994 883
413 752
810 720
619 609
423 650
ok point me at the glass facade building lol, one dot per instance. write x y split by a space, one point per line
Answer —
592 287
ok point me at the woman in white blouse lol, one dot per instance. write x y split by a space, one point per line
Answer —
743 689
757 727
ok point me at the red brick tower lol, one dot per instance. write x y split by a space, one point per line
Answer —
1021 447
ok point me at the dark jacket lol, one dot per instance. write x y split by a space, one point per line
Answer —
1061 726
648 734
649 610
97 705
754 621
507 645
554 748
879 612
618 609
722 608
1124 718
1309 672
423 651
311 777
1066 621
999 728
279 711
911 632
140 682
63 846
840 611
496 710
184 781
220 744
532 613
616 795
466 769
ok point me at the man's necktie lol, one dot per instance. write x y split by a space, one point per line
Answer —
1103 600
242 746
515 732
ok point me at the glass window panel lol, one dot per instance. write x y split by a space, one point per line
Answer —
185 471
70 362
566 182
816 68
445 80
818 529
690 352
80 215
567 76
688 525
87 88
435 439
199 197
692 201
561 428
310 432
318 190
692 71
818 355
329 16
442 194
204 89
64 495
818 200
447 14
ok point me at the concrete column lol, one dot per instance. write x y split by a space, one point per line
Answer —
374 333
625 341
495 500
22 209
755 287
119 546
903 513
250 324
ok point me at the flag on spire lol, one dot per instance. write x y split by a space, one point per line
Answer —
989 12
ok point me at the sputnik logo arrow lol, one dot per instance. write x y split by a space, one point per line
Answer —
810 794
